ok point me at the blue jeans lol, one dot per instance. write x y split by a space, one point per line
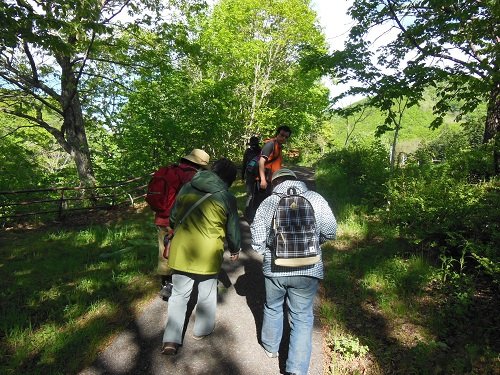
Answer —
299 292
177 306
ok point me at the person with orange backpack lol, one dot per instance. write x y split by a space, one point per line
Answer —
162 191
271 159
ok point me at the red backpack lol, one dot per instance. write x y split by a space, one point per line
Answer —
164 186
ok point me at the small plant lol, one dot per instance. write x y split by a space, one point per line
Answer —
348 347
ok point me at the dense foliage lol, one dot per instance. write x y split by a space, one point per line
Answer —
450 207
236 73
414 271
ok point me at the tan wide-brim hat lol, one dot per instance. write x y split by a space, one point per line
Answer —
199 157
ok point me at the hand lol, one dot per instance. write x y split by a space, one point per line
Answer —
170 233
263 184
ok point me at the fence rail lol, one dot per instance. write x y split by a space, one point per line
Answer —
18 204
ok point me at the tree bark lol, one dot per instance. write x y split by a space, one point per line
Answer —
492 126
73 128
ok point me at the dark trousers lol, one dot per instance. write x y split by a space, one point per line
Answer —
255 196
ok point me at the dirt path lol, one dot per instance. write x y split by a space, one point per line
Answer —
232 349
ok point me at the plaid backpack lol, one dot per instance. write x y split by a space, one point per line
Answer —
295 240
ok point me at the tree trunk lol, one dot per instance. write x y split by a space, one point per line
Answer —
393 147
492 126
77 140
73 128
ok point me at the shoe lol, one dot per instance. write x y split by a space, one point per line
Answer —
201 337
169 348
271 355
166 291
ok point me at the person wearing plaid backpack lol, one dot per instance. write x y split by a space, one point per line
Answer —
288 229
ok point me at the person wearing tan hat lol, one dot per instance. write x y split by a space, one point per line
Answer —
175 176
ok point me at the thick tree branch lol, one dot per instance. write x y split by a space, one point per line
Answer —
16 129
57 134
33 81
29 92
34 70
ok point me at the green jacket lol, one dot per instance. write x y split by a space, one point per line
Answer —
198 244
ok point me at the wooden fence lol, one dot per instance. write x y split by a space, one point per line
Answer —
55 203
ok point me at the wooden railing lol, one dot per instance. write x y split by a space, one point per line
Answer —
58 202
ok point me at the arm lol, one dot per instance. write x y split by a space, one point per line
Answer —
326 220
244 164
261 225
262 173
267 150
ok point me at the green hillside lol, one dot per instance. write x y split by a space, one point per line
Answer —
415 130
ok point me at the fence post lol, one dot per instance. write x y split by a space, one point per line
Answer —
61 202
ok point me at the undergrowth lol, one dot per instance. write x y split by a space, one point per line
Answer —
411 281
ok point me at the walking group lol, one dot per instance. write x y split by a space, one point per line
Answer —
197 215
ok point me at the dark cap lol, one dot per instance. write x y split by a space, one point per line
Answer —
254 141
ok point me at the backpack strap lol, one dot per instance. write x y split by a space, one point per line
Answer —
270 160
176 168
196 204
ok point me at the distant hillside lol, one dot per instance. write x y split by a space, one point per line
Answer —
416 121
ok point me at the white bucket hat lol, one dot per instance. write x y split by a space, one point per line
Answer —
199 157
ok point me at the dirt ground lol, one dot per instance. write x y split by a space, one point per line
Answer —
232 349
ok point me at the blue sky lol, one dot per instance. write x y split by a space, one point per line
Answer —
332 15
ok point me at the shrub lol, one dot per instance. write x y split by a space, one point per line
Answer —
451 206
356 175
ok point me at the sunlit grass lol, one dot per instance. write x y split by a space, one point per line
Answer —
66 291
372 281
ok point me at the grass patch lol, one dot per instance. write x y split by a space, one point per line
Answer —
67 291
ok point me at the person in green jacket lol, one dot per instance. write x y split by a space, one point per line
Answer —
197 248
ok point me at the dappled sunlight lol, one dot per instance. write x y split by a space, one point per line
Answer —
85 236
64 296
88 285
372 299
46 295
59 235
99 309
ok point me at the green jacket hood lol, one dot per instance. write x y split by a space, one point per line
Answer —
197 246
208 182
